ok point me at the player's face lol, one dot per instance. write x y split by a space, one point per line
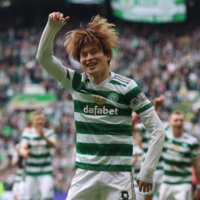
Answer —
38 120
177 123
94 61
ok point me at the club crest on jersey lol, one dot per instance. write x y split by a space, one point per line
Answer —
113 96
99 100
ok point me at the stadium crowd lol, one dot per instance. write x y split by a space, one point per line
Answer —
162 60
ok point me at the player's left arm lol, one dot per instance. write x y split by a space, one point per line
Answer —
140 104
196 165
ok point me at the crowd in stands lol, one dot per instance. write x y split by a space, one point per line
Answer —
161 59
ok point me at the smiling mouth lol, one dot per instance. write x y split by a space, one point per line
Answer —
91 65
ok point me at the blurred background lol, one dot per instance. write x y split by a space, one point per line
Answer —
159 49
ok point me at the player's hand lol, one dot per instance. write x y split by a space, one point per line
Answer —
25 153
144 186
58 17
40 130
158 102
196 195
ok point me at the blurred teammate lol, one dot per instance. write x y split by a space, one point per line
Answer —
103 103
145 135
179 153
19 162
36 147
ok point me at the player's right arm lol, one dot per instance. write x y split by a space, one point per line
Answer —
23 151
44 54
24 144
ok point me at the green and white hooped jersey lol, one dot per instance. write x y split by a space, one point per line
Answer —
103 119
19 175
39 162
177 157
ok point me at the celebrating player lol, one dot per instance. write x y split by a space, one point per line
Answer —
103 103
36 147
180 151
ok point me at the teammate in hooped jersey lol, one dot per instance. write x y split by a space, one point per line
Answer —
36 146
103 104
180 151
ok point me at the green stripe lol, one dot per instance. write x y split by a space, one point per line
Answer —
29 164
133 93
103 129
116 83
104 149
177 183
174 173
39 173
76 80
40 155
80 106
145 140
144 108
122 168
177 163
159 168
24 137
136 171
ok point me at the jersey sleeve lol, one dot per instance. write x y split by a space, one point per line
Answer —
137 100
25 137
45 55
67 80
50 133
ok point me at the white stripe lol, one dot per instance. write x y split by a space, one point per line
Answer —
38 169
104 160
102 119
176 169
38 143
112 87
104 139
40 160
176 158
181 149
174 179
39 150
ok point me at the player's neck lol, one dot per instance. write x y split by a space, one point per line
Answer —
177 134
99 78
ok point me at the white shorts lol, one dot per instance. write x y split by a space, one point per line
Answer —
15 190
40 186
18 189
101 185
175 192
